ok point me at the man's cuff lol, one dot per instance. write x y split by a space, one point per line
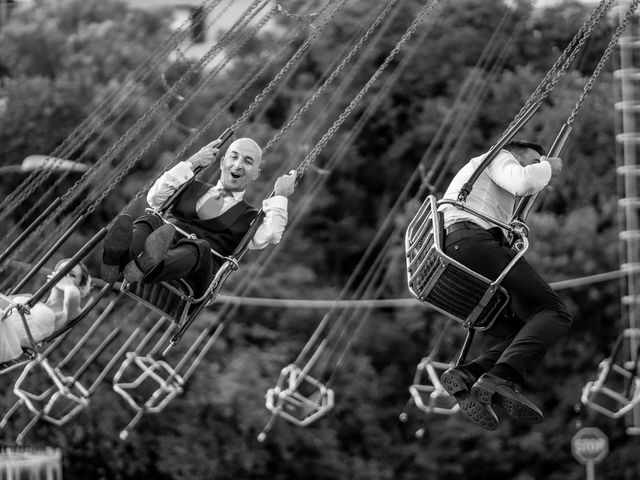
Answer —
181 172
277 201
548 171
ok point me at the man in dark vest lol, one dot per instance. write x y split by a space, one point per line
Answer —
217 214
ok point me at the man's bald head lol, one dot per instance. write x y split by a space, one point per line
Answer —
241 164
247 145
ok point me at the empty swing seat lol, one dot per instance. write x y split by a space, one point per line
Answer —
442 282
146 383
63 406
299 398
616 390
427 392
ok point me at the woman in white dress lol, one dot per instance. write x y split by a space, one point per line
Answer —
44 318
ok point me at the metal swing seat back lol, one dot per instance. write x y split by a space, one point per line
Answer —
427 391
147 385
299 398
616 390
444 283
170 299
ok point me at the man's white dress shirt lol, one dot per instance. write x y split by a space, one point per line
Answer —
275 208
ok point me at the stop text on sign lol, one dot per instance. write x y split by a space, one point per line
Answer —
590 447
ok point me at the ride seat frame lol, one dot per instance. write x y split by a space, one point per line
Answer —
427 391
444 283
150 390
287 401
174 299
616 390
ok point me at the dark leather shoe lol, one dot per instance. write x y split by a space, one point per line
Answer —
457 381
116 247
155 249
491 388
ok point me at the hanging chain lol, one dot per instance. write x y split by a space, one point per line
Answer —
605 56
315 151
96 119
159 131
260 97
563 62
101 160
87 206
383 14
307 17
98 167
142 121
257 73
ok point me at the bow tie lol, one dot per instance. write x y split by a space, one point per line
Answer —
223 192
212 207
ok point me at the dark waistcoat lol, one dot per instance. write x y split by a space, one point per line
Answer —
223 233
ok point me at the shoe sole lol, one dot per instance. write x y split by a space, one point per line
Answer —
470 407
116 245
516 410
156 246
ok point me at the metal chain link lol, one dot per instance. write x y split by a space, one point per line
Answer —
337 93
605 56
315 151
252 77
260 97
179 110
152 65
102 111
296 16
87 206
94 170
565 59
301 111
144 120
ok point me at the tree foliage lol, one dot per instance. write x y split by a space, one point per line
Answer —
60 58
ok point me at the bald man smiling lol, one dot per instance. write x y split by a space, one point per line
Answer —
217 215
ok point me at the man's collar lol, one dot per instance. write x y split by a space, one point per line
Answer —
237 195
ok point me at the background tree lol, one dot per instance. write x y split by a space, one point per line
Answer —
60 58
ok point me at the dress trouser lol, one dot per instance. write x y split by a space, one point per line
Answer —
188 259
544 316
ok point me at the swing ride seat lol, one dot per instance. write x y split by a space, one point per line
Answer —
299 398
175 298
427 392
445 284
616 390
32 399
145 383
64 405
57 403
148 390
170 299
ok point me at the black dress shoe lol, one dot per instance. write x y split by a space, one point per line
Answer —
116 248
155 249
491 388
457 381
